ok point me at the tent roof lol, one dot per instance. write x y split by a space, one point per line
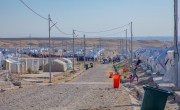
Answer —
13 61
59 61
68 60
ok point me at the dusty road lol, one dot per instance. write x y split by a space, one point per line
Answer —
90 91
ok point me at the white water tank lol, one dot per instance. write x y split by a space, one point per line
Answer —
170 54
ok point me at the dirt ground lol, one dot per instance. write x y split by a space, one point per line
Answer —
144 79
107 43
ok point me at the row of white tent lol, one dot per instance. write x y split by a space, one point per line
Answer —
92 53
124 52
28 50
38 50
15 52
159 60
14 63
21 65
76 52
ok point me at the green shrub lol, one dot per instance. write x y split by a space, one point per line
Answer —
29 70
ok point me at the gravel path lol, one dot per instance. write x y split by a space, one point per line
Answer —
90 91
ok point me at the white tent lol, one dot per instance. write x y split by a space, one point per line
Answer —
1 60
169 74
161 63
68 63
57 66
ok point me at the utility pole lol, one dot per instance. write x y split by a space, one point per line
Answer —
131 44
129 48
73 49
84 49
49 60
126 43
49 20
176 56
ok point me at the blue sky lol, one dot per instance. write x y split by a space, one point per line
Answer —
149 17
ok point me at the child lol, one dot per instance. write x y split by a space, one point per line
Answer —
131 79
115 69
134 73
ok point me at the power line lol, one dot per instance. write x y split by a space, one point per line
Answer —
32 10
104 30
60 30
42 16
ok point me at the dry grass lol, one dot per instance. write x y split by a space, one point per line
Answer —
109 44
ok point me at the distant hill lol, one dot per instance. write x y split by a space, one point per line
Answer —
36 38
160 38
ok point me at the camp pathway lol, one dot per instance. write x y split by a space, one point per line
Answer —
92 90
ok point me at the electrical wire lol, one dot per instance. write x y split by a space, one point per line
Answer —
76 30
32 10
42 16
104 30
60 29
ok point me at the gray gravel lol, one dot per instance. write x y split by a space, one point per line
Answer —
90 91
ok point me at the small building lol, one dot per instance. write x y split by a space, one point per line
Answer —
12 66
25 63
57 66
33 64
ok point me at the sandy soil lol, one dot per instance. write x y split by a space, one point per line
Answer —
109 44
92 90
